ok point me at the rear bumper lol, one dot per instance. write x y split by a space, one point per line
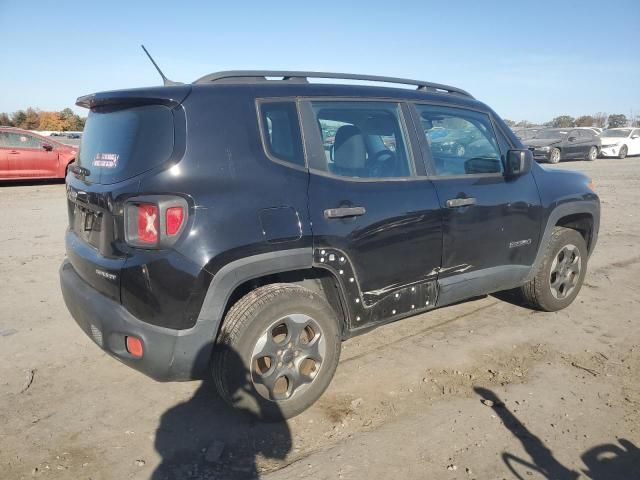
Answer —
169 355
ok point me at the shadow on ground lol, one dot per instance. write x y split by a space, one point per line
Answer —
26 182
204 438
610 461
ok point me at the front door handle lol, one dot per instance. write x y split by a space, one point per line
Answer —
460 202
343 212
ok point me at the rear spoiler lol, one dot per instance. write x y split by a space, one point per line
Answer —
170 96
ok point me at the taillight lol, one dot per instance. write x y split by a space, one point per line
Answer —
148 223
174 219
154 221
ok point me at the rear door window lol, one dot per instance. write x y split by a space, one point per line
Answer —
119 143
362 139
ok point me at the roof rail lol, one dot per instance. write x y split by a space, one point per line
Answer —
249 76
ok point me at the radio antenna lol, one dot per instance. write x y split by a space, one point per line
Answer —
166 82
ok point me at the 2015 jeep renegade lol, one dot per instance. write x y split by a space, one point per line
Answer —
243 226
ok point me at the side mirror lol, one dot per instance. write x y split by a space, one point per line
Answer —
47 147
633 137
572 139
518 162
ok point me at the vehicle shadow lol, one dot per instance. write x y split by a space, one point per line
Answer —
25 182
514 297
205 438
603 462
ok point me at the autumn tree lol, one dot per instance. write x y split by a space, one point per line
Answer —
50 121
31 119
600 119
17 118
617 120
563 121
70 121
585 121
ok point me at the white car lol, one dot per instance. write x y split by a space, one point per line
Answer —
595 130
620 142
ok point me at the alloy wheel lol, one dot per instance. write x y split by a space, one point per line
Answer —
287 357
565 271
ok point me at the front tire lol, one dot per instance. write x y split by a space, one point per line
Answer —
623 152
277 351
560 276
593 154
554 155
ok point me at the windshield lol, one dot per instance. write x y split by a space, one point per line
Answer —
616 133
551 134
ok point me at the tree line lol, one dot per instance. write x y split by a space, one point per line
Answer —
599 119
35 119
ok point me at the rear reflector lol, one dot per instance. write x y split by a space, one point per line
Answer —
174 218
148 222
134 346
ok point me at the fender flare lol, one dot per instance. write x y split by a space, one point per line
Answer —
235 273
591 207
192 357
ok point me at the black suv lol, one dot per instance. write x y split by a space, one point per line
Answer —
244 225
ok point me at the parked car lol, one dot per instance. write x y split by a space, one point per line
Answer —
526 133
555 144
217 238
25 154
620 142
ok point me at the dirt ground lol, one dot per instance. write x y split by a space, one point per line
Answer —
481 390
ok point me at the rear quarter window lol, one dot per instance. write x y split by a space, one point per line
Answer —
119 143
281 132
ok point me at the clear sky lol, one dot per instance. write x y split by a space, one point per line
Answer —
527 59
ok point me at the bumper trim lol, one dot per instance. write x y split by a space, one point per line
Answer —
170 355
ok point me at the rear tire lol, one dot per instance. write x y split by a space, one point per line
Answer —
554 155
561 273
623 151
592 154
277 351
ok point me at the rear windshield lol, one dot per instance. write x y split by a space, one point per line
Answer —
120 143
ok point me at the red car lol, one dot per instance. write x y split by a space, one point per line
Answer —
26 155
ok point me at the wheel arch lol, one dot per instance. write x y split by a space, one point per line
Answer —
240 277
581 215
582 223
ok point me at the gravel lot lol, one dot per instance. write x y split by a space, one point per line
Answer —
484 389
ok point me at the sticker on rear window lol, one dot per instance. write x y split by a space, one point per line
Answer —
106 160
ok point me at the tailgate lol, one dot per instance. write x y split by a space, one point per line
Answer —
92 241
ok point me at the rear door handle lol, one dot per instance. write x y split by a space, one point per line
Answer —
343 212
13 152
460 202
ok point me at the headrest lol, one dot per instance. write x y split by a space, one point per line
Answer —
349 150
384 125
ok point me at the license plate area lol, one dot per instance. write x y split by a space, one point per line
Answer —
87 224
